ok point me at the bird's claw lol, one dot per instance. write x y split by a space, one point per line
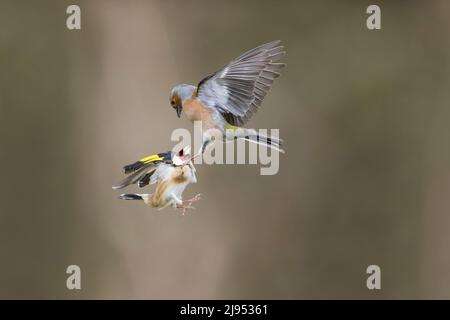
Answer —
187 204
196 198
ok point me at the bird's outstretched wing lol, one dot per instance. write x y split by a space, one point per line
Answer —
142 176
141 171
153 159
237 90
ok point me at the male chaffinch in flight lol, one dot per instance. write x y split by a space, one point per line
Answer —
228 98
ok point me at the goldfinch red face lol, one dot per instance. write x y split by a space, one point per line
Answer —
182 157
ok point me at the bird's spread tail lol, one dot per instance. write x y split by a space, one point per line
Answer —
253 136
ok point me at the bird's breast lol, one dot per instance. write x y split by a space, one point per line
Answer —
160 196
173 185
196 111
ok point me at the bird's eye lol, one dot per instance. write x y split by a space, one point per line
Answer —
172 102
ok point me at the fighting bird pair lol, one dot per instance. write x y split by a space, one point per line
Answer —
223 102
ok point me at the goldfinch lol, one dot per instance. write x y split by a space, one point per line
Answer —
171 181
141 171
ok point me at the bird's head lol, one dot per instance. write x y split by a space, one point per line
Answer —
182 156
179 94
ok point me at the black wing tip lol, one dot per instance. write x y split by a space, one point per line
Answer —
145 180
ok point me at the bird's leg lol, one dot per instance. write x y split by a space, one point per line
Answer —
201 151
184 207
187 204
205 144
176 201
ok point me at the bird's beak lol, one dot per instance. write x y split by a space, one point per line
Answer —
178 110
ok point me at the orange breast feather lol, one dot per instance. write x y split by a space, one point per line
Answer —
195 111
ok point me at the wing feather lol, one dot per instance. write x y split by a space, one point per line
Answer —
142 170
163 172
137 176
238 89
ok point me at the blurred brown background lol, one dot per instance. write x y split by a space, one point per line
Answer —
365 180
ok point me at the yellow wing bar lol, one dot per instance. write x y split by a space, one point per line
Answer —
151 158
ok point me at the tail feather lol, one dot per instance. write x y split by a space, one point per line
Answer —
255 137
269 144
269 140
131 196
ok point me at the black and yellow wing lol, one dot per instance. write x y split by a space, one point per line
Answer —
141 170
153 159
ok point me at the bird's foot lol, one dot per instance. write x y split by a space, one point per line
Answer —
184 208
187 204
196 198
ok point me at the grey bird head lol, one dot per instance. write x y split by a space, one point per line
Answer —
178 94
